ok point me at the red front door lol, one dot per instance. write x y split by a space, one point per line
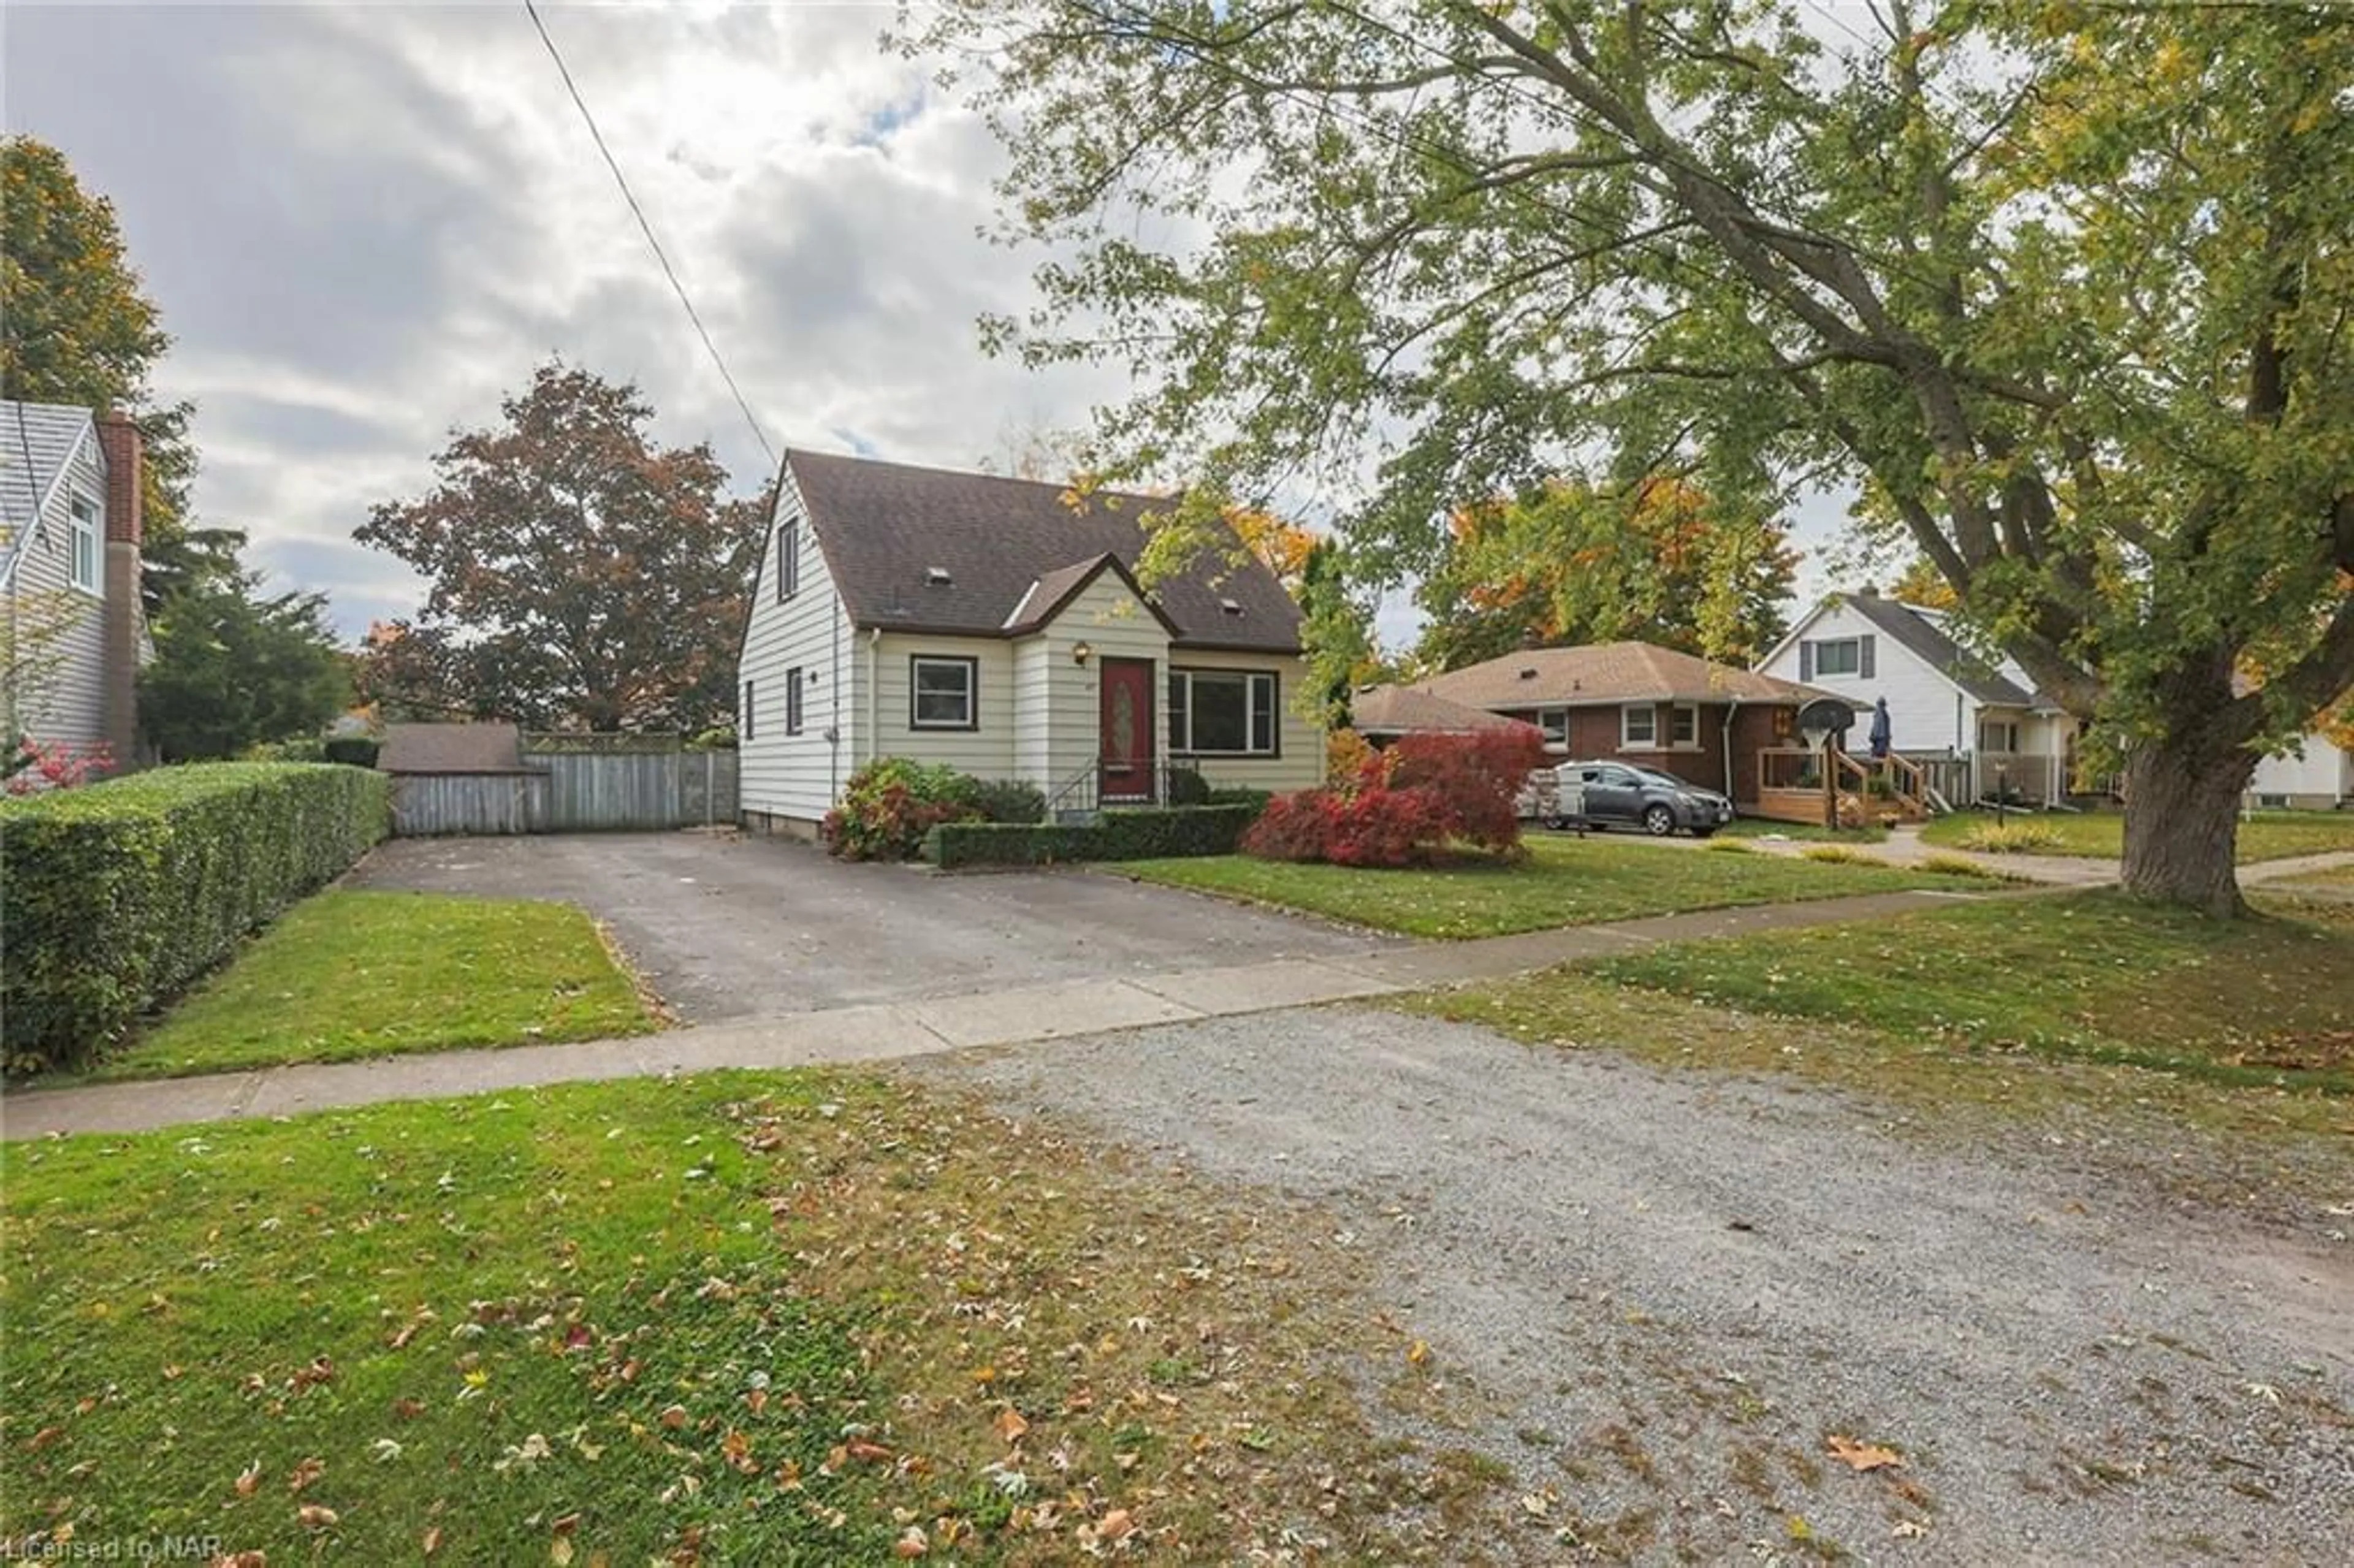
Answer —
1127 730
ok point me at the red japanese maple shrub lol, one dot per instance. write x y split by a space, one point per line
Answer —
1476 776
1299 827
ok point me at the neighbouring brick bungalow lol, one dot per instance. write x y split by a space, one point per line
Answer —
1638 703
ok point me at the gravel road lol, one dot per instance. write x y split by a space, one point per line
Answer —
1665 1294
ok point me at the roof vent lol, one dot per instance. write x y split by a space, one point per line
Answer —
937 576
1530 674
1231 606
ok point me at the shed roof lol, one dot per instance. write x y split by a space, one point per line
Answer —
451 748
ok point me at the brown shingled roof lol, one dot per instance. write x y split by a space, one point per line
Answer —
921 549
1403 710
451 748
1607 673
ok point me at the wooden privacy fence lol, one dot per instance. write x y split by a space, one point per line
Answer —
572 783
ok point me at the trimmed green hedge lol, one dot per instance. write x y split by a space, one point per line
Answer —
114 897
1144 833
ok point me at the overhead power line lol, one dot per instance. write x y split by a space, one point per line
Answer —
647 228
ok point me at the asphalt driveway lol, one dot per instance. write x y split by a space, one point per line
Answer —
727 928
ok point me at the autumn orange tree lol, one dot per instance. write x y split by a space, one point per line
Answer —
1567 562
580 575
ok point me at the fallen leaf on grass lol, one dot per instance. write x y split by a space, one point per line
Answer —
307 1472
912 1545
432 1542
248 1480
316 1516
1010 1425
1863 1456
1115 1525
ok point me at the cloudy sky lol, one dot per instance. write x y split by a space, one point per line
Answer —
365 223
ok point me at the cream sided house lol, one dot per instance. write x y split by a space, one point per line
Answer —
1978 724
72 632
997 625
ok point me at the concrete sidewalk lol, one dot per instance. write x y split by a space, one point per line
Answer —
849 1035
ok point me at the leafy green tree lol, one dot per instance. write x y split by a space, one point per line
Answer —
77 327
1336 633
1567 563
2061 285
580 574
235 668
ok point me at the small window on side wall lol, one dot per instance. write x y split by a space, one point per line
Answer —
795 681
789 559
744 714
85 545
1684 724
1639 727
941 693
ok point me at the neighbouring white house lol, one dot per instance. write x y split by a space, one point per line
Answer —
2318 776
72 632
997 625
1976 722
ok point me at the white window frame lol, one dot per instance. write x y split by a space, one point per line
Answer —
1262 726
1649 739
968 667
85 549
789 559
1683 716
1555 723
1854 647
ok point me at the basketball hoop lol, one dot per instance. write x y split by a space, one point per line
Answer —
1821 719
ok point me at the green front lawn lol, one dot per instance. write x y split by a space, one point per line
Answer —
2089 976
350 974
1564 882
750 1318
2263 835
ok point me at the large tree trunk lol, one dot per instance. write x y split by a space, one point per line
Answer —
2182 818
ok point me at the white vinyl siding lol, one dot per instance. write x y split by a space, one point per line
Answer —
1927 712
798 776
66 705
2316 774
985 751
1059 725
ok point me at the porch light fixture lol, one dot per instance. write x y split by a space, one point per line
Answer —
1081 652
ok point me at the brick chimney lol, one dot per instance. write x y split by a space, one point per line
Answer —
119 440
